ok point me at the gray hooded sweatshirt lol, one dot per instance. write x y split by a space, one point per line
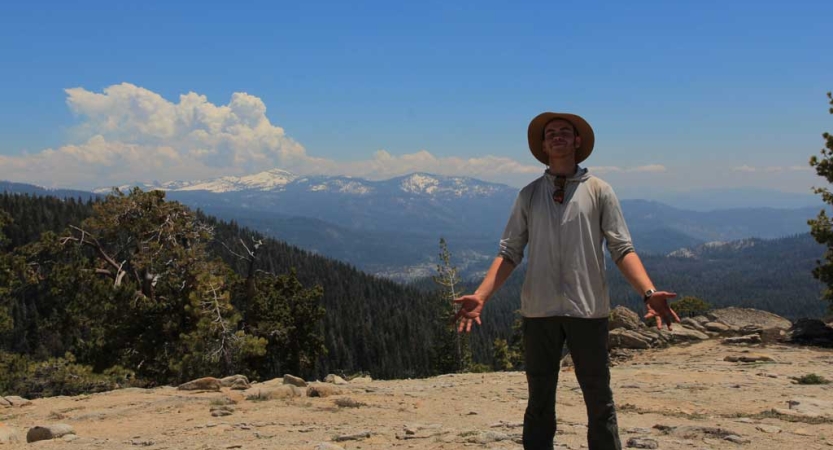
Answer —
566 272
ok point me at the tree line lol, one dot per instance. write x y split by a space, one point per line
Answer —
136 289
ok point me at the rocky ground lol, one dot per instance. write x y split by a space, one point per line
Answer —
686 396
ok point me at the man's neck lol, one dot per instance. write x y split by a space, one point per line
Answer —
563 167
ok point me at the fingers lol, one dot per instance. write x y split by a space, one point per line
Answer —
676 317
466 324
457 315
659 322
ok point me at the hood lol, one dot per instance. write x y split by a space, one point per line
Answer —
581 174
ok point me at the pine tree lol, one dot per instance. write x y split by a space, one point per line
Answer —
460 359
821 226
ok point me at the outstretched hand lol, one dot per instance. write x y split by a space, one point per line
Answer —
469 312
658 307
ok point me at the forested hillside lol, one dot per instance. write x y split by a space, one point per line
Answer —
283 308
138 284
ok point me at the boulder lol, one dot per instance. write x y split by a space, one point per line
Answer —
622 317
322 390
812 407
717 327
702 320
693 324
742 317
773 335
221 410
810 332
748 358
624 338
5 403
48 432
293 380
648 443
18 401
201 384
748 339
272 392
362 380
335 379
681 333
235 382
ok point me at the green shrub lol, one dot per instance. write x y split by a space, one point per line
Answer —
479 368
691 307
57 376
811 378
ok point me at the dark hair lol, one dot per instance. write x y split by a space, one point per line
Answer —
543 130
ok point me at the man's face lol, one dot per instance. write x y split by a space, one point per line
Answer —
560 139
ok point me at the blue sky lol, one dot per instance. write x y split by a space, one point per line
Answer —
682 95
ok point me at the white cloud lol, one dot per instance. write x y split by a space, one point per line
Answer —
654 168
129 133
384 165
771 169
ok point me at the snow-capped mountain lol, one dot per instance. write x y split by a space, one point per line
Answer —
274 179
277 180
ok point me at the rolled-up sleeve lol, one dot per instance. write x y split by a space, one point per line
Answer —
515 235
615 230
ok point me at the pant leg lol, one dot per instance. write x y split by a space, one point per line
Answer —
587 339
543 341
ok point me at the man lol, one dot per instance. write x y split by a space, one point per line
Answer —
564 217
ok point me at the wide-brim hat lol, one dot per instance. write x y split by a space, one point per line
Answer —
536 135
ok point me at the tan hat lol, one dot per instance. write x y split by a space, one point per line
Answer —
536 135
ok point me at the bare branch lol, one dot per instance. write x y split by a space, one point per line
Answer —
232 251
91 241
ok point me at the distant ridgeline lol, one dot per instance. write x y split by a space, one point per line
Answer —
369 325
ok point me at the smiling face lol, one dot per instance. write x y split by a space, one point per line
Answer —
560 141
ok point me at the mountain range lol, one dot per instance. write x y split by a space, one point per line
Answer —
392 227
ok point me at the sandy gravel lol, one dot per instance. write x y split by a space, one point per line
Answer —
685 397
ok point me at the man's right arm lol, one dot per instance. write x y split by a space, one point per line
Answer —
497 274
471 305
511 253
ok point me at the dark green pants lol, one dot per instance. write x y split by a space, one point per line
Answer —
544 339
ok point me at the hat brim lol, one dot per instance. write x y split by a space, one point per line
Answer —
536 135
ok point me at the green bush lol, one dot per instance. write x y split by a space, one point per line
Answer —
811 378
691 307
57 376
479 368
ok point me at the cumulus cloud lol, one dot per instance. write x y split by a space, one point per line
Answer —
129 133
384 165
771 169
654 168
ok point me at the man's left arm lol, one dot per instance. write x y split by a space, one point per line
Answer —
656 302
621 249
